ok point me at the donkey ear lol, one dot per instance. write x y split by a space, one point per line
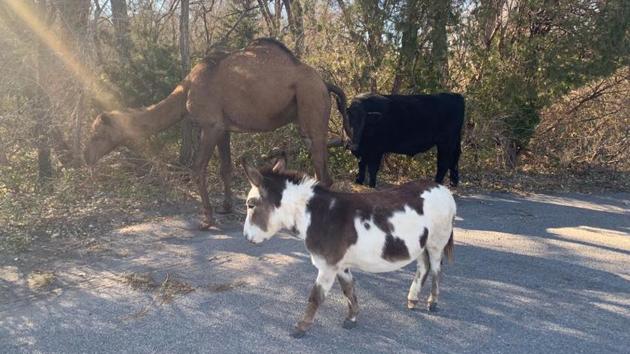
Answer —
252 174
281 164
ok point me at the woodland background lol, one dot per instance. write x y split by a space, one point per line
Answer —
546 84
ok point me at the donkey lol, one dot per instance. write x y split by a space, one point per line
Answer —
375 232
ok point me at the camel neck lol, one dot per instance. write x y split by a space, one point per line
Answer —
161 115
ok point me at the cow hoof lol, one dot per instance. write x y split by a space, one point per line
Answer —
359 182
298 333
411 304
432 307
349 324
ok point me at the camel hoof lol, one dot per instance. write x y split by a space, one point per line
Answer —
411 304
432 307
298 333
207 225
349 324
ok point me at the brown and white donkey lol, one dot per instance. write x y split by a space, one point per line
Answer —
375 232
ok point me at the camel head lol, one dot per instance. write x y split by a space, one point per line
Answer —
105 136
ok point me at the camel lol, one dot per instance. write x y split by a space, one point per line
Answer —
259 88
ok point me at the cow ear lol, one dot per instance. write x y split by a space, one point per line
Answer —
253 175
375 115
281 164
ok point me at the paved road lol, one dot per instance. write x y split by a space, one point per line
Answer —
531 274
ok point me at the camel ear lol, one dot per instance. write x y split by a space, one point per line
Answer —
252 174
281 164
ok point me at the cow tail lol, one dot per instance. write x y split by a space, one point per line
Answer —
448 249
340 98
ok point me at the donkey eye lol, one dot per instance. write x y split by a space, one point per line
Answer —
250 204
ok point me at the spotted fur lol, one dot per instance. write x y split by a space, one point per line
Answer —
374 232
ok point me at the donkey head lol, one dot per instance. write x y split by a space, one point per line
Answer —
264 218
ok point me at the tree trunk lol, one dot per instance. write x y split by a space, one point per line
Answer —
75 23
187 130
296 24
41 102
409 43
120 18
439 43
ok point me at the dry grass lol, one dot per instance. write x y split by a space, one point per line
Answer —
40 280
222 287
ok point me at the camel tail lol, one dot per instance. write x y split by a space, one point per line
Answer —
341 99
448 249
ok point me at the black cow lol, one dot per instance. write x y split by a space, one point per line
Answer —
399 124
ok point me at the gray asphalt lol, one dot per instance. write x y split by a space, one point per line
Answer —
536 274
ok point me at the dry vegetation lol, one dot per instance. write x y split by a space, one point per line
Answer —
546 86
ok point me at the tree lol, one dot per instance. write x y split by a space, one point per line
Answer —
120 19
187 131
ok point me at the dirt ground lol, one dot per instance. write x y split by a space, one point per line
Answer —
532 273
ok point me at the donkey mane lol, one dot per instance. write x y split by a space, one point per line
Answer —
295 177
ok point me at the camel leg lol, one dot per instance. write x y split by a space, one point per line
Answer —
313 115
208 141
225 170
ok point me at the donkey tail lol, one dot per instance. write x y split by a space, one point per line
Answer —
448 249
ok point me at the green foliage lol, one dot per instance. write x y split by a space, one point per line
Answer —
148 76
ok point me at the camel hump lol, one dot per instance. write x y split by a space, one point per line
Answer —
266 41
215 57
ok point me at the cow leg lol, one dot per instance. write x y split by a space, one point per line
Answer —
347 286
454 168
422 271
435 260
325 280
373 167
444 156
209 138
362 167
225 170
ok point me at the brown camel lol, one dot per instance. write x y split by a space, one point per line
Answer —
259 88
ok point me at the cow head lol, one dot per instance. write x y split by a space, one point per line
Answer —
358 120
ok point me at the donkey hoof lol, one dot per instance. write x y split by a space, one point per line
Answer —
432 307
298 333
411 304
349 324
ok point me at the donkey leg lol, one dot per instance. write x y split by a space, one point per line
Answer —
347 286
422 271
225 169
206 147
325 280
435 259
